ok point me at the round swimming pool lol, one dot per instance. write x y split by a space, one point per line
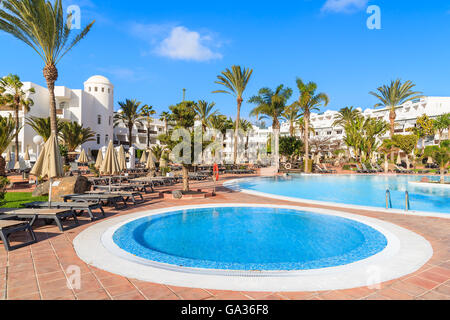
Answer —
249 238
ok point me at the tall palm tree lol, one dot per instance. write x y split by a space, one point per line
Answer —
44 27
129 115
42 126
75 135
309 101
272 104
204 112
147 113
7 133
292 115
345 116
165 116
15 97
394 95
235 81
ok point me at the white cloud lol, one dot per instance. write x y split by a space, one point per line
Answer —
177 42
344 6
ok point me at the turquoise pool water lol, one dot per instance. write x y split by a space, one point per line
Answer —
364 190
249 238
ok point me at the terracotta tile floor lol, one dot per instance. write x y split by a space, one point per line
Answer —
40 271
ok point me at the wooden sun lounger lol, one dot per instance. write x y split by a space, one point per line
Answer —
78 207
97 198
114 187
57 215
8 227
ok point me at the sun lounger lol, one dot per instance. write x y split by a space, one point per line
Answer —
135 197
78 207
57 215
328 170
367 170
401 170
8 227
359 170
110 199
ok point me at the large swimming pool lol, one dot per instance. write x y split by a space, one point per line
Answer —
249 239
363 190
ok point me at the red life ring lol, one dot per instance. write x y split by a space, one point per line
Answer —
216 171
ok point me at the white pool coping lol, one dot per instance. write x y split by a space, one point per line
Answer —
430 185
230 185
405 253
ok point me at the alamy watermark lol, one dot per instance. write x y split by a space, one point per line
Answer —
374 20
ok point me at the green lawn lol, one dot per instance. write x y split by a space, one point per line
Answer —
15 199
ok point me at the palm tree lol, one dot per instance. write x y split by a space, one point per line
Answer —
441 154
345 116
292 115
8 131
235 81
74 135
129 115
42 126
15 97
43 27
387 147
308 102
221 123
272 104
246 126
393 96
147 113
441 123
204 112
165 116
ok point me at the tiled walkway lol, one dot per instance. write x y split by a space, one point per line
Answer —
40 271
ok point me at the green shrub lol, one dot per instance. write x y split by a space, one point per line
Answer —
347 167
3 184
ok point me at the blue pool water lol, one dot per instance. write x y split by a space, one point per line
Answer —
355 190
249 239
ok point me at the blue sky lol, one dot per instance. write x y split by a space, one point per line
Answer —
152 49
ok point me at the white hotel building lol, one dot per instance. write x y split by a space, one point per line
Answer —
93 107
322 123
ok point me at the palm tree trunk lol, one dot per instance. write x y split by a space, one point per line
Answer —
185 169
392 117
386 164
16 154
148 137
2 166
306 117
442 174
51 75
130 136
236 132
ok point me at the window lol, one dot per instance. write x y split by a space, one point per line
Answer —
90 89
99 119
329 133
106 139
96 89
98 139
339 132
103 89
109 90
110 120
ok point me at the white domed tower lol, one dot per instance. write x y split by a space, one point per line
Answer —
98 112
